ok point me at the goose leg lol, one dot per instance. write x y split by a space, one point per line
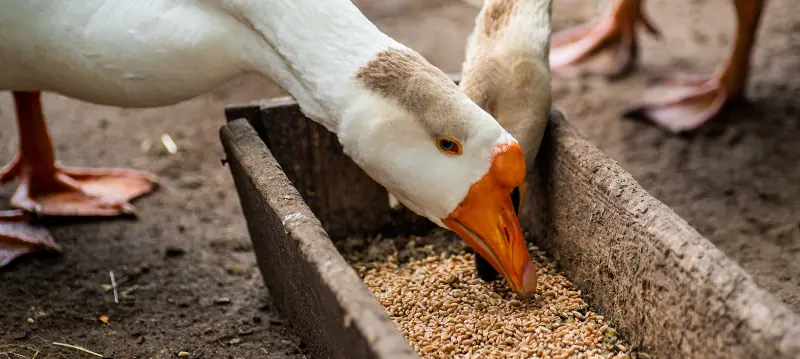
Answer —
47 188
18 237
683 104
615 35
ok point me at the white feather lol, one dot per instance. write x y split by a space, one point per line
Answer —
149 53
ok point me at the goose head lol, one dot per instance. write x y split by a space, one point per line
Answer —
415 132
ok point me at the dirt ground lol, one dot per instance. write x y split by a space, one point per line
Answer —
200 290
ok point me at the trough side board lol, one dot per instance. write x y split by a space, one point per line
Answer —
344 198
668 290
309 281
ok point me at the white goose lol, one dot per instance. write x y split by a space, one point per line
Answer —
507 73
400 118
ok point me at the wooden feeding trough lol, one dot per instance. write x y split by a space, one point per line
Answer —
667 290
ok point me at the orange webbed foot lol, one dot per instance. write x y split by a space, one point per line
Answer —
682 104
47 188
18 237
62 191
608 47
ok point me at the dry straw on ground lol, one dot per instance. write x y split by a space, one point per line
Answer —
445 311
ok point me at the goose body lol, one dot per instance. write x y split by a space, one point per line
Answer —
149 53
507 73
397 116
115 52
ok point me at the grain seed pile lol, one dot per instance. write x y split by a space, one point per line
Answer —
430 289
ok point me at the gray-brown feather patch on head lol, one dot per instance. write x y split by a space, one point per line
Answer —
418 87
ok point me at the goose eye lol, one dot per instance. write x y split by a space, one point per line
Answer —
448 145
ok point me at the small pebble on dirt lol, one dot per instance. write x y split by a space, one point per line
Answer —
222 300
173 251
236 270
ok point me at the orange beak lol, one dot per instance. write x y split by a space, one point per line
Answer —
486 220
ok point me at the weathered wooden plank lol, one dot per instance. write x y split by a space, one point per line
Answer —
345 199
667 288
309 281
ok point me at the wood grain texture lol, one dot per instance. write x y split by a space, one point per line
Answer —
345 199
309 281
669 290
